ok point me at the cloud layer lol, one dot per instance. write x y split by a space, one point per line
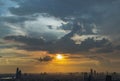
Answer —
75 27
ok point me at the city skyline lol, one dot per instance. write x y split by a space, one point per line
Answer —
59 35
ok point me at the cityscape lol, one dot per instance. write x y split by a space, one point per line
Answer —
93 75
59 40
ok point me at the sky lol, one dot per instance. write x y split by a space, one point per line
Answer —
84 32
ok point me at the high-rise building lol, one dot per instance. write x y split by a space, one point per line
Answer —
18 74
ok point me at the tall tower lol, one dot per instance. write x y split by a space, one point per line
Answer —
17 71
91 71
18 74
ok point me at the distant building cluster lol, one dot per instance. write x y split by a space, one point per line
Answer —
93 75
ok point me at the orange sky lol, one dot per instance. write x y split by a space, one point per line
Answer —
27 61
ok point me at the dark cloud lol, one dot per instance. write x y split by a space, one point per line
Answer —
117 47
30 43
105 50
26 40
45 59
64 45
58 7
67 44
29 22
1 3
104 13
85 46
4 30
34 26
15 19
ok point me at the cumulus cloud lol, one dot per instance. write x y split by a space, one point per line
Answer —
104 13
101 13
41 27
83 27
80 38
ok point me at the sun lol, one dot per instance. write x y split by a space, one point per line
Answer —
59 57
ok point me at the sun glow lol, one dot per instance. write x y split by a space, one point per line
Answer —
59 57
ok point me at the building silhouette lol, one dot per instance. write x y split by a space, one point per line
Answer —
108 78
18 74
